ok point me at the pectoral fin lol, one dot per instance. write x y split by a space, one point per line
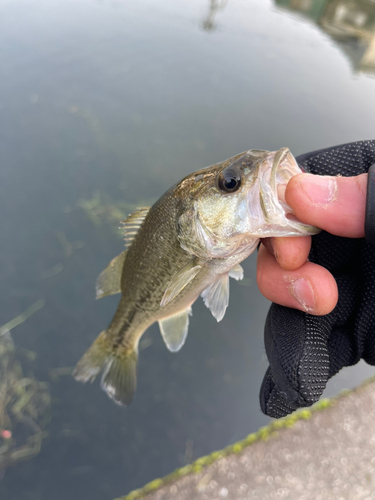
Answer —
109 280
216 297
174 329
236 273
180 280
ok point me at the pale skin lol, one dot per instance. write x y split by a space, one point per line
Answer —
284 276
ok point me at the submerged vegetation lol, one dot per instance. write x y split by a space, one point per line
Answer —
100 209
24 401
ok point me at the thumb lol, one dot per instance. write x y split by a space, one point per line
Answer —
335 204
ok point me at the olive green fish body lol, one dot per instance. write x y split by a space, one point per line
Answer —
153 258
189 243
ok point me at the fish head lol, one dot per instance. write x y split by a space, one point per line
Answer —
231 205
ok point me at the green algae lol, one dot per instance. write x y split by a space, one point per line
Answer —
101 209
263 434
21 318
24 403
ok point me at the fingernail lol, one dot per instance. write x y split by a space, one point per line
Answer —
321 189
301 290
273 247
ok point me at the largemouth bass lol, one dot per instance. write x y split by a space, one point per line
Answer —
189 243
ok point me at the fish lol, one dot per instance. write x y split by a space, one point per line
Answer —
188 244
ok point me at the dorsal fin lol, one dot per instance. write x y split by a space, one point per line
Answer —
132 223
109 280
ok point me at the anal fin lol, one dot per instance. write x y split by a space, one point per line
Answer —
174 329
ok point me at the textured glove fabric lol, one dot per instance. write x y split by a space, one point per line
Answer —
303 350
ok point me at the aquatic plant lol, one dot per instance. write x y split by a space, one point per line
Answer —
24 408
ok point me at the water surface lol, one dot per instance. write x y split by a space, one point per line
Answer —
103 106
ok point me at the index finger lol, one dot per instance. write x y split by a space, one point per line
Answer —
289 252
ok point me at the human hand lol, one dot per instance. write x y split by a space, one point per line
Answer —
284 275
305 350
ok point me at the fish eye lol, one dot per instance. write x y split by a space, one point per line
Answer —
229 180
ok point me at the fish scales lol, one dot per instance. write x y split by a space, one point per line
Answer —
189 243
154 256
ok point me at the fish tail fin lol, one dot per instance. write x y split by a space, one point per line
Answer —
119 367
93 360
119 379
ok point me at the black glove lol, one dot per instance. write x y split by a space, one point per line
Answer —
303 350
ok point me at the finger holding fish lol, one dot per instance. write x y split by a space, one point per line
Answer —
309 288
290 253
336 204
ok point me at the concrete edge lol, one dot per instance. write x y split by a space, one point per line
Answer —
263 434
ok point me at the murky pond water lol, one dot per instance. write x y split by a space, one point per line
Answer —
103 106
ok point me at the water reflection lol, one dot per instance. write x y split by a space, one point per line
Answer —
208 24
351 23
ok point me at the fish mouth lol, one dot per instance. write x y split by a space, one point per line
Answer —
275 170
284 167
